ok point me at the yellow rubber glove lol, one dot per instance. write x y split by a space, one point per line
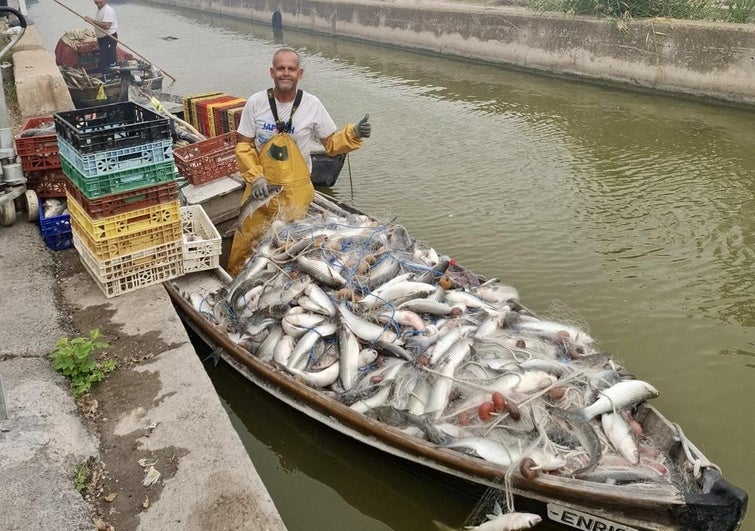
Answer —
343 141
248 161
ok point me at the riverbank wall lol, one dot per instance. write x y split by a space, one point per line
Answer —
704 60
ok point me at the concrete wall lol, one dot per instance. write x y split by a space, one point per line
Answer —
705 60
40 88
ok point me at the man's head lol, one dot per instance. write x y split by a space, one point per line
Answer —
99 3
286 71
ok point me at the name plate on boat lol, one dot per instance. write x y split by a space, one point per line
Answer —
584 521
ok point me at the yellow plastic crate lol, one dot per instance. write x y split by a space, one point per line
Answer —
217 129
187 103
126 223
131 243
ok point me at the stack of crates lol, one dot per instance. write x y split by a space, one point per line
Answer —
38 152
216 116
123 200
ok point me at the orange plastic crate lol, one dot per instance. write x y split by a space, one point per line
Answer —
204 114
216 112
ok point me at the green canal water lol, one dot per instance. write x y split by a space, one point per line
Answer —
628 213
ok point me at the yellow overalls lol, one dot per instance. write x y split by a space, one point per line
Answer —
281 163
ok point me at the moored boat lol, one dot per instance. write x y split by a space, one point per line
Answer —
670 484
77 56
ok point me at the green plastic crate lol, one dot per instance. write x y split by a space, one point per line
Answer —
119 181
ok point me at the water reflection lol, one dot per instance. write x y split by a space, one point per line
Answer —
381 488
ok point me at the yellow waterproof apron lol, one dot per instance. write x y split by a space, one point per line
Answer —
281 163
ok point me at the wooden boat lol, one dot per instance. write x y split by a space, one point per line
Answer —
698 497
114 89
78 59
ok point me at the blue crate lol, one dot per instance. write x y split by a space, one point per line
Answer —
53 225
98 163
58 242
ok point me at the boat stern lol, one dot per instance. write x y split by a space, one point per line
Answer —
720 506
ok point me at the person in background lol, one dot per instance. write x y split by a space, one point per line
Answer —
105 25
275 131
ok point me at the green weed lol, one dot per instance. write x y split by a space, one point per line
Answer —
81 475
74 358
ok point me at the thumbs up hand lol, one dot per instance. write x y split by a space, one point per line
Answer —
363 128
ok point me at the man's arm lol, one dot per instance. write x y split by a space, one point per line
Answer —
347 139
247 158
101 25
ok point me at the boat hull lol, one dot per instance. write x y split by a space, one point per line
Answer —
114 92
562 501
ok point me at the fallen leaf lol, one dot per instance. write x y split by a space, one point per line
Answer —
151 477
110 497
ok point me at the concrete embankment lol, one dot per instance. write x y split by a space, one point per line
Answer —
159 407
697 59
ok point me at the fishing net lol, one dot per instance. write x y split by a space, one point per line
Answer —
360 310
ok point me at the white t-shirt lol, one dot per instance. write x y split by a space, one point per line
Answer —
106 14
311 122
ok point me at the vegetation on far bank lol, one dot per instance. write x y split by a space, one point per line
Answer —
741 11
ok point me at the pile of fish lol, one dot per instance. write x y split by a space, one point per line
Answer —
359 310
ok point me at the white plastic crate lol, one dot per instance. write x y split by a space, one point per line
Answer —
127 273
201 240
129 264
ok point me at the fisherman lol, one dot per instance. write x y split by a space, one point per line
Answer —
275 132
106 29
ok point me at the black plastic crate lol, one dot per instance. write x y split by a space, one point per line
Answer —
114 126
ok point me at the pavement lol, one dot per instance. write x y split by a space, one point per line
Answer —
44 436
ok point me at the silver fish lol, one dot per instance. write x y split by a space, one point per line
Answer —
349 357
321 272
321 378
365 329
249 207
581 429
400 419
620 436
619 396
498 521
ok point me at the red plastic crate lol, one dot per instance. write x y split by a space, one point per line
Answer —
112 205
218 126
220 116
203 113
47 183
87 47
207 160
38 152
